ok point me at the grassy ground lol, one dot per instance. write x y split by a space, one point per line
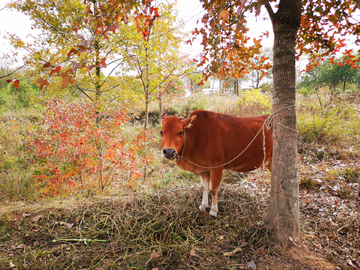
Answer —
157 225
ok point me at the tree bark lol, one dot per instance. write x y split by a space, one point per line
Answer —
283 214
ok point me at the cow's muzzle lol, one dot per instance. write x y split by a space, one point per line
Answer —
170 153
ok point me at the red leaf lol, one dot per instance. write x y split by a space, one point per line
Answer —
16 84
71 52
46 65
103 62
91 67
9 80
113 28
57 69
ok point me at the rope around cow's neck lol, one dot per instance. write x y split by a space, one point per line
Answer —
268 123
183 148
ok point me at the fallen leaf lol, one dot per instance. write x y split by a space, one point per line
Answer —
69 225
12 265
252 265
25 215
154 254
36 219
21 246
193 253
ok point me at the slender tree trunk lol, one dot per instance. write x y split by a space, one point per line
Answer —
146 124
160 105
283 214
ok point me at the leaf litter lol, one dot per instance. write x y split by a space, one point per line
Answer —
163 228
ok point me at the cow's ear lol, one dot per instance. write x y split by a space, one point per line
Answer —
164 115
188 121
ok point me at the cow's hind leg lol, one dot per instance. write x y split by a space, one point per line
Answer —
215 177
205 181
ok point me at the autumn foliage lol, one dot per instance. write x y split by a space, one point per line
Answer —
79 146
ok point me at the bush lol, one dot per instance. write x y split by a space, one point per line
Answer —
254 102
267 87
79 145
15 167
23 97
328 125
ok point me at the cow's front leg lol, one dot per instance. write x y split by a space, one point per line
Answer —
215 177
205 181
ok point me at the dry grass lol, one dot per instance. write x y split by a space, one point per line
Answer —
163 228
124 232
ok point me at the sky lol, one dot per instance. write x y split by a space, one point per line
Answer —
189 10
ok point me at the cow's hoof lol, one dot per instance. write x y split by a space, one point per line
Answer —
203 207
213 213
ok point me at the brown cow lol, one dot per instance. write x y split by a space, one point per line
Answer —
206 143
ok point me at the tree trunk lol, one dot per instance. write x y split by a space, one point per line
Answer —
146 124
160 105
283 214
236 87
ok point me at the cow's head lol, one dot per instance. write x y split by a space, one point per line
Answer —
173 135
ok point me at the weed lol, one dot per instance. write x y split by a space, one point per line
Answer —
352 175
253 103
308 183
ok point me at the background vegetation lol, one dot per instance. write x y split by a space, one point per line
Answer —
80 148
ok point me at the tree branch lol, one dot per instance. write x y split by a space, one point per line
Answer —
271 13
82 91
9 74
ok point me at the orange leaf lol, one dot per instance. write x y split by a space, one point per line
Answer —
66 80
42 82
224 14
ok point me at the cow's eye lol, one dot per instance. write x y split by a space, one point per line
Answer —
181 132
161 133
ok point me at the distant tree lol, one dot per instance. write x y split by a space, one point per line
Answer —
156 58
330 73
346 72
77 41
257 73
